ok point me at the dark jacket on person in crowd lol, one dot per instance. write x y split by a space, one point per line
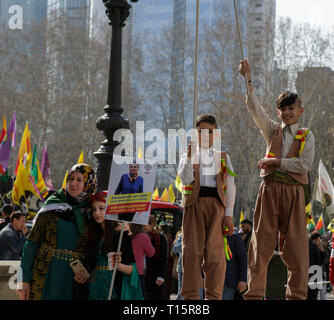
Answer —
156 267
236 268
11 243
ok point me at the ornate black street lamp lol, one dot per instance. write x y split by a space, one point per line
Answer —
117 12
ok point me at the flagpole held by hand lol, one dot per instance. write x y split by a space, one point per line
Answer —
240 41
116 264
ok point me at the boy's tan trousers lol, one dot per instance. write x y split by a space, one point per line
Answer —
280 207
203 242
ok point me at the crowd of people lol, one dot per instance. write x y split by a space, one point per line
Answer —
149 265
71 252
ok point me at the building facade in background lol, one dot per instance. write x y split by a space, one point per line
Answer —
257 26
77 14
260 40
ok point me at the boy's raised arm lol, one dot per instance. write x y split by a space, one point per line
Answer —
260 116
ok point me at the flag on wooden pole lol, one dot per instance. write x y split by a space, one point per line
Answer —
325 190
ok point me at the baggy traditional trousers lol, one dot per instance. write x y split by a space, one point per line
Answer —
203 242
280 207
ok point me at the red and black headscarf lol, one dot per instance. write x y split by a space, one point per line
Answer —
99 196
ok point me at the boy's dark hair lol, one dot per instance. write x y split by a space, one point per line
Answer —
287 98
209 118
247 222
315 235
16 215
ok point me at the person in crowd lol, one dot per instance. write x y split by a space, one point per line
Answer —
142 248
208 198
156 265
177 249
246 228
236 268
280 205
327 253
58 237
165 230
103 239
331 265
130 182
6 211
316 259
13 237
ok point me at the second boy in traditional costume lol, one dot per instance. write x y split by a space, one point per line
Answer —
208 199
280 205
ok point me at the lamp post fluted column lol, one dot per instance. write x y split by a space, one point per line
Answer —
112 120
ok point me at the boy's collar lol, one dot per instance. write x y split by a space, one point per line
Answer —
293 127
206 150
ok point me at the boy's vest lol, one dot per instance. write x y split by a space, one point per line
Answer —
190 192
275 149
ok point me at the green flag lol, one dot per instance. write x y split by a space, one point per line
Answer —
33 168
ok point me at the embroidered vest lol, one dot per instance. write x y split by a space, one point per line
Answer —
191 192
274 150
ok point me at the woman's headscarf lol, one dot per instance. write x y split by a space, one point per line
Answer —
89 180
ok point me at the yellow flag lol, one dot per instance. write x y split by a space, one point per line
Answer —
331 226
171 194
164 196
41 186
81 157
25 147
80 160
4 129
242 217
178 183
22 183
28 162
140 153
155 195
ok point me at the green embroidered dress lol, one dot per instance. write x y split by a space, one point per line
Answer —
100 280
48 270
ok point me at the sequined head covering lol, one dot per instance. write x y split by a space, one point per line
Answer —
99 196
89 180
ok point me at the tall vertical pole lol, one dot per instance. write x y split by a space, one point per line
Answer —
117 12
240 41
195 108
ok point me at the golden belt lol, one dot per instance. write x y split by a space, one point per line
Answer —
102 268
63 254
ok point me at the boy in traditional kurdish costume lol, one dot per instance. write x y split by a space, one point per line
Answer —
208 199
280 205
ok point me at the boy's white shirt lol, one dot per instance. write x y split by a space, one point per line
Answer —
208 175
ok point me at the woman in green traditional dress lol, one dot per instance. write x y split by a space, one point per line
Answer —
59 236
103 238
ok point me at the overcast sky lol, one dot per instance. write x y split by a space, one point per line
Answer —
319 12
